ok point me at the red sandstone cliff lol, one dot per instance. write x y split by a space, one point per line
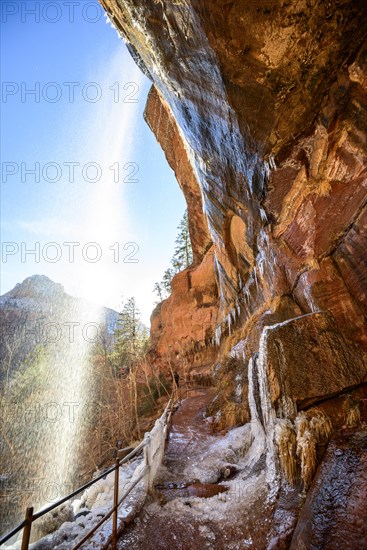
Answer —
261 110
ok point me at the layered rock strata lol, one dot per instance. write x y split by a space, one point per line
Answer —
261 110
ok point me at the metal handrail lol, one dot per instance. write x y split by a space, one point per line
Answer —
108 515
41 513
13 532
30 518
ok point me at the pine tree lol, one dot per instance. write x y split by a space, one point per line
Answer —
182 256
130 338
159 290
167 280
181 259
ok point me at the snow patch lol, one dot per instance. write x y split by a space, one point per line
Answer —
88 510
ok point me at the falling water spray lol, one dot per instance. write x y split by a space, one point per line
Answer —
47 439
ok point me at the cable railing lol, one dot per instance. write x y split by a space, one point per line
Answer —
152 447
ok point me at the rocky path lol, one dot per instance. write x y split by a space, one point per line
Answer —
189 436
180 518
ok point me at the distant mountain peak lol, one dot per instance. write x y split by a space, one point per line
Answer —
37 285
39 296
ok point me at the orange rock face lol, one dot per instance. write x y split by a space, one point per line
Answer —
181 326
307 360
161 122
262 114
261 110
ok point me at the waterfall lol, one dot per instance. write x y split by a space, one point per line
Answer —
67 405
48 437
47 429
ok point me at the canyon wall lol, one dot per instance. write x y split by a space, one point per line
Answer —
261 110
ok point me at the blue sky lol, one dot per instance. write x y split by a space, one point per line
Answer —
108 219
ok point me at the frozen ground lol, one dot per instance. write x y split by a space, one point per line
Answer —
236 519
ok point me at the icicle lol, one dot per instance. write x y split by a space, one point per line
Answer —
247 296
266 407
285 438
229 322
265 236
238 307
268 415
233 314
272 164
109 21
251 392
266 170
218 335
263 215
261 266
255 278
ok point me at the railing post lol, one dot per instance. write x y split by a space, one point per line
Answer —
115 503
147 458
116 497
27 529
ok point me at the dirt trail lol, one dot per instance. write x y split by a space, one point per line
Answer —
189 435
159 527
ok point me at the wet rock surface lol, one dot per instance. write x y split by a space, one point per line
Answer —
308 360
160 120
335 512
